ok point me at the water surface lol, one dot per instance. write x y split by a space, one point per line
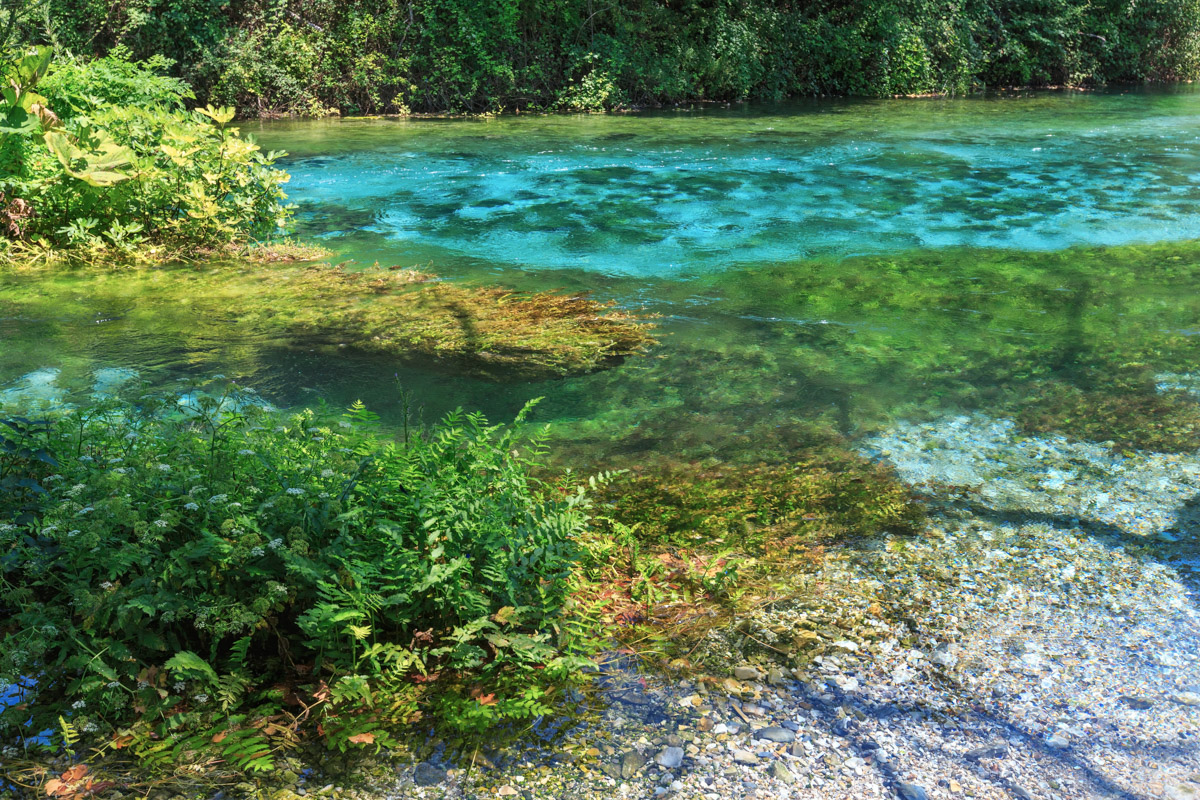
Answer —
818 269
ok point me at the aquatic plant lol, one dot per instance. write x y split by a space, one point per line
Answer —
201 580
680 550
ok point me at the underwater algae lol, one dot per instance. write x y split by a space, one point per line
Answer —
409 317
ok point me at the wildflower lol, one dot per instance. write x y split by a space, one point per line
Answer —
192 507
120 470
85 510
5 528
129 437
275 544
245 452
235 505
324 495
86 459
75 532
116 460
269 504
201 698
295 491
90 727
50 529
78 704
326 473
52 478
76 489
343 424
113 685
161 523
257 552
218 498
106 585
179 686
318 438
163 467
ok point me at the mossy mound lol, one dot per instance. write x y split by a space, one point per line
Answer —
486 331
681 551
755 506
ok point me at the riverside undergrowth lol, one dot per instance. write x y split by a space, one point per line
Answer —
101 161
204 581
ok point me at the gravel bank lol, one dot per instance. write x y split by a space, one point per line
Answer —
1040 642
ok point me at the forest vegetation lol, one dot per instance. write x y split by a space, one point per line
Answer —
316 57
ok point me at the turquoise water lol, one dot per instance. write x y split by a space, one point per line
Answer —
679 193
818 270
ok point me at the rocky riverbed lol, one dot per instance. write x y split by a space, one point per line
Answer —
1039 642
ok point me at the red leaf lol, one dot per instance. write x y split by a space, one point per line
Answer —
362 738
487 699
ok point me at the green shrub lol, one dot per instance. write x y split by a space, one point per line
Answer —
86 176
179 578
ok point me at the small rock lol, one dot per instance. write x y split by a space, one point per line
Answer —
745 757
1021 793
910 791
1186 698
777 735
427 774
1136 703
670 757
993 750
631 764
782 774
507 791
746 673
1182 791
1059 741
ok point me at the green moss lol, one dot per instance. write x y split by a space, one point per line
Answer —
486 331
1145 421
837 494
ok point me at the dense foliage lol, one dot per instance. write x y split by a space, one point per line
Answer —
102 158
179 578
308 56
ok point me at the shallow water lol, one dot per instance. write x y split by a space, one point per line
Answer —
819 269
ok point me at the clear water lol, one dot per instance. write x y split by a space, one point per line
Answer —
682 193
819 269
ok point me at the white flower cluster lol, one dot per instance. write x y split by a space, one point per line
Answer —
245 452
161 523
275 544
257 552
218 498
192 507
296 491
163 467
326 473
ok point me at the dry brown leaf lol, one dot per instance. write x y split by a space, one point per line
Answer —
362 738
75 773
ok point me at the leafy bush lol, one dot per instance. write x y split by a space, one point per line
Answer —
179 578
489 55
102 158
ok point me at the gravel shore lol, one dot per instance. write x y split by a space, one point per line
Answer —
1039 642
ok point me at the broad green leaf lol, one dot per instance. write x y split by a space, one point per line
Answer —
98 168
191 664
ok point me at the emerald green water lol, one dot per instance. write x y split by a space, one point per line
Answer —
818 269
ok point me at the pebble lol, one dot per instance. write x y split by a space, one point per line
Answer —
670 757
777 735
